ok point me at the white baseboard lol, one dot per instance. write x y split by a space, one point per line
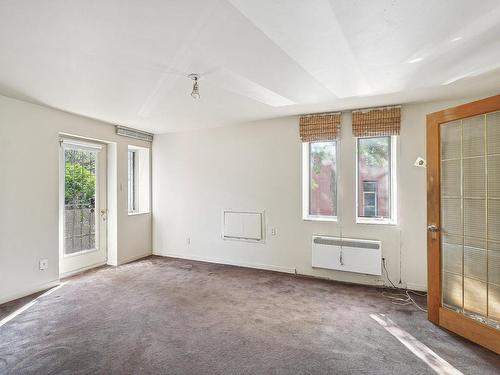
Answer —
417 287
267 267
80 270
29 290
135 257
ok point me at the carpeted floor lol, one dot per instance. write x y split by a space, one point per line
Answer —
168 316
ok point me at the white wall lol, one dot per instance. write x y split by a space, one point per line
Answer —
29 175
259 166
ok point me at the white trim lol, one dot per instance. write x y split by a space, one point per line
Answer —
267 267
375 221
81 252
29 290
80 145
320 218
133 258
137 213
83 269
417 287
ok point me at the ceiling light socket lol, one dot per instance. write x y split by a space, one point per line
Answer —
195 94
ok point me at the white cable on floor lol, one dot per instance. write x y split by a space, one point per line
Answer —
401 296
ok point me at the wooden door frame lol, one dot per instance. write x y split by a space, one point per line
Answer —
471 329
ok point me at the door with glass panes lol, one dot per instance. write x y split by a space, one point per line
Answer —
83 205
463 211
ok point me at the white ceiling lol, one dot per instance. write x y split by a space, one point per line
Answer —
126 61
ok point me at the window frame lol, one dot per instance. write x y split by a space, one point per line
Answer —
306 183
392 220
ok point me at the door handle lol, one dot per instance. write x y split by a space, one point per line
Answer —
433 228
103 214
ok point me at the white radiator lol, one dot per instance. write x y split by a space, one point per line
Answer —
347 254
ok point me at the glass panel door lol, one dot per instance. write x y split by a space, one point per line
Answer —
79 200
470 217
82 206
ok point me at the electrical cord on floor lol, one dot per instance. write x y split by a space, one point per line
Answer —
402 296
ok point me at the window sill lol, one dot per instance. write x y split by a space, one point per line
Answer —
332 219
138 213
376 221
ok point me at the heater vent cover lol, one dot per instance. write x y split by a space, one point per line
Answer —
133 133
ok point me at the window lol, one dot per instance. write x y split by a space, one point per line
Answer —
138 184
376 180
320 180
370 198
132 180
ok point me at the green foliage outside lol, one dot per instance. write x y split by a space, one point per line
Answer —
79 180
321 154
374 152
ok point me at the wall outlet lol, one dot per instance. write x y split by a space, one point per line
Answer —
274 231
44 264
188 241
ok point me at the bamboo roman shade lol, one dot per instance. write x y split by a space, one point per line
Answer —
376 122
319 127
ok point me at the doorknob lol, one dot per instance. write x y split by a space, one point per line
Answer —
433 228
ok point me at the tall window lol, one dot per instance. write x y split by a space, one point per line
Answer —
138 180
376 180
132 181
320 180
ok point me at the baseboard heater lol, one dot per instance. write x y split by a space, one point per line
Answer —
347 254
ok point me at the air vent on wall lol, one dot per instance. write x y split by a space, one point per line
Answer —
132 133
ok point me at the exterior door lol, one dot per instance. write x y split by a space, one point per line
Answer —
83 206
463 213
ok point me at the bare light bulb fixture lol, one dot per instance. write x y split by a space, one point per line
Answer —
195 94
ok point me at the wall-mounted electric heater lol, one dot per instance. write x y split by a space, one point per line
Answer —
347 254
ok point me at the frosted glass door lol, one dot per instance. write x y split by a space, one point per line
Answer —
470 217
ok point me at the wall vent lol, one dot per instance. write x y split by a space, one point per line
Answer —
133 133
243 225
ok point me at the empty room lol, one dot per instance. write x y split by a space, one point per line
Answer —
250 187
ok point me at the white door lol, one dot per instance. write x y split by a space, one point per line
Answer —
83 206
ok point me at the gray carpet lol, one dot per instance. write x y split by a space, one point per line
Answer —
168 316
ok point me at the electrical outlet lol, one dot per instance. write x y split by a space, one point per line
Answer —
274 231
188 241
44 264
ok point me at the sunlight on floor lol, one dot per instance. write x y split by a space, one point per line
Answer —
438 364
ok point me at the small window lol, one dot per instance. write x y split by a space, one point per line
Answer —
320 181
138 180
370 198
376 180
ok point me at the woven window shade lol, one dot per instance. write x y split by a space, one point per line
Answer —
320 127
376 122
